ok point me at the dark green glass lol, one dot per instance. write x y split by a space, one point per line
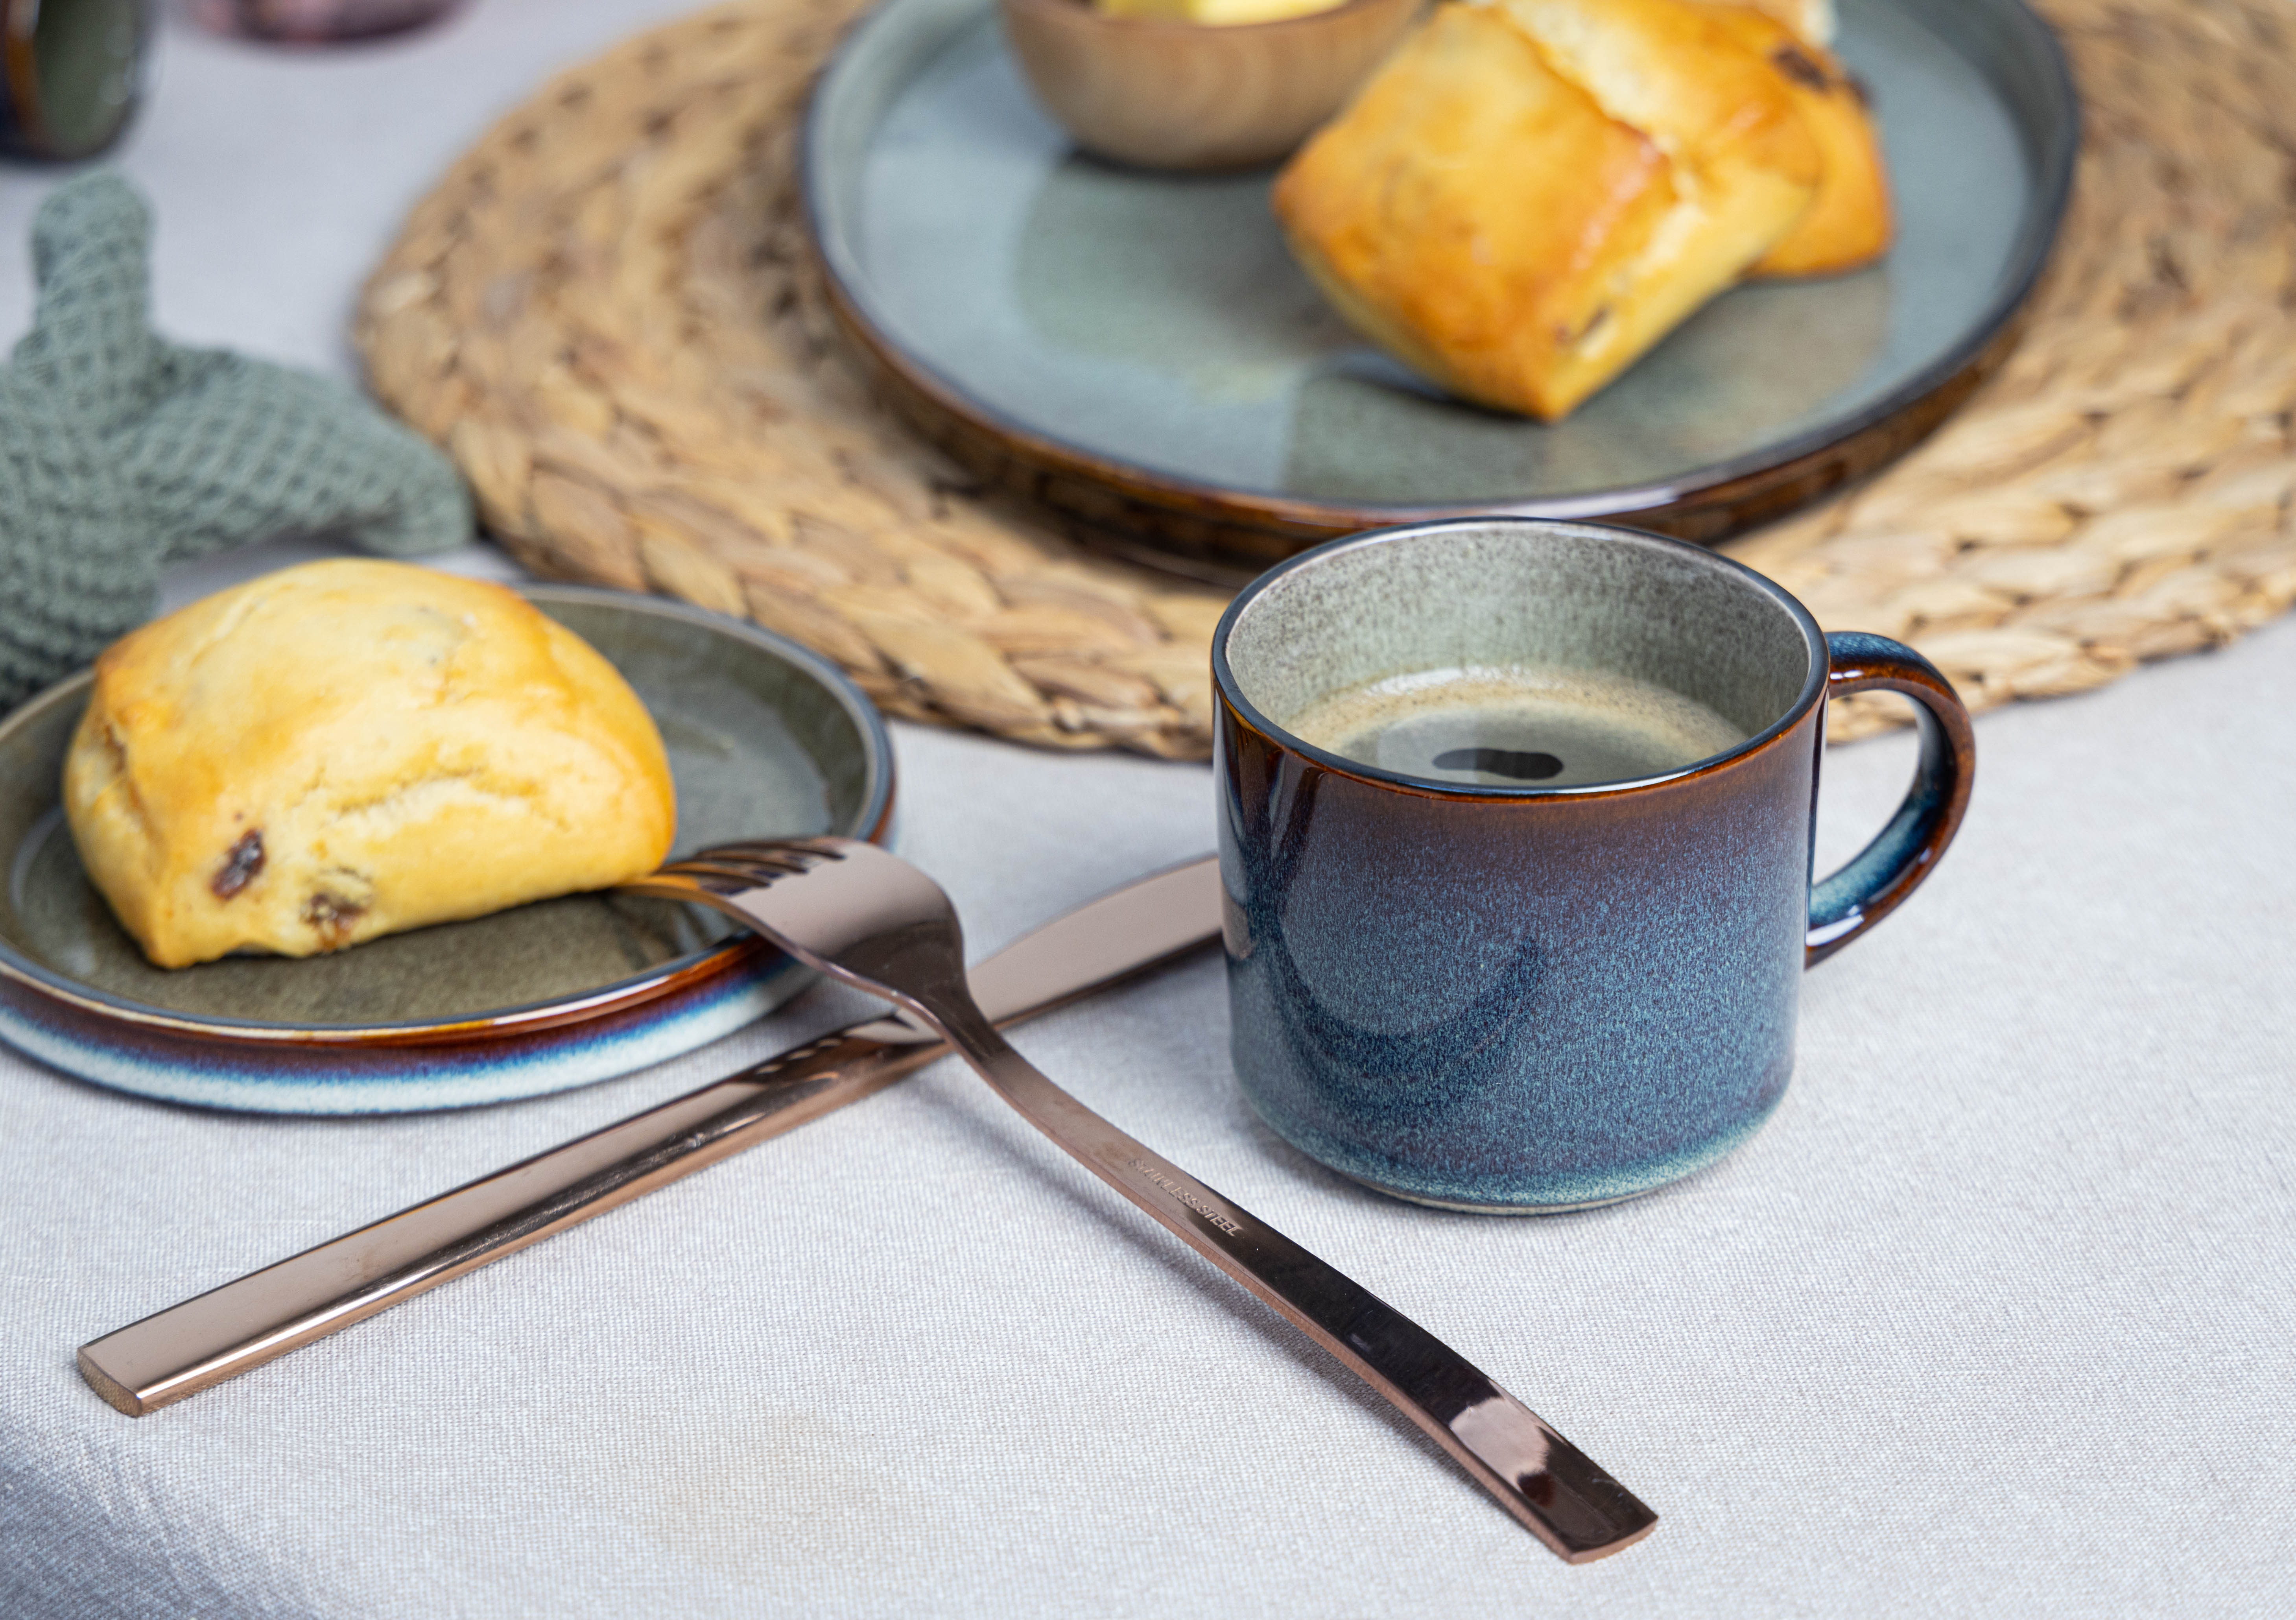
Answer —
71 73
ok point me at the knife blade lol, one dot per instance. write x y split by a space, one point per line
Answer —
222 1333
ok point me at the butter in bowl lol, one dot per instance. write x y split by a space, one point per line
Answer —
1201 85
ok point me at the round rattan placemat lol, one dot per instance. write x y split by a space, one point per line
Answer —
607 314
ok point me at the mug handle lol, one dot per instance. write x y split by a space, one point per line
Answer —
1876 881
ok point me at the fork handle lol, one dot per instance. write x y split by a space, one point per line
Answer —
1551 1485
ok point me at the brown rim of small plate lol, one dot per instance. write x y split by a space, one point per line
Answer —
680 973
1226 536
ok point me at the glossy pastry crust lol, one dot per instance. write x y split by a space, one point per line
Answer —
1850 221
1418 217
352 748
1531 192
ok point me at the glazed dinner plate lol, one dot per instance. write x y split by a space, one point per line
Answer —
1139 351
765 740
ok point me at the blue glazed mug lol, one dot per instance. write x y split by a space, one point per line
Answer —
1506 988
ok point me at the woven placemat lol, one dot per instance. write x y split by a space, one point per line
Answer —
606 313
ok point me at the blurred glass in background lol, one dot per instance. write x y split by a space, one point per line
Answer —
71 72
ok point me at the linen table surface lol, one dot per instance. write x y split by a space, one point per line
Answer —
1995 1317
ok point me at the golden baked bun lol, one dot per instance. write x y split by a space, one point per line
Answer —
1848 225
352 748
1530 193
1418 216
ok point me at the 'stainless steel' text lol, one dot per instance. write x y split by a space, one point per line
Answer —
1193 1200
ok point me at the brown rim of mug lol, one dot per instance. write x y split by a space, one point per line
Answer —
1232 698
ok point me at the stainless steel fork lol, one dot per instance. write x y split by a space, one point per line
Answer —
869 918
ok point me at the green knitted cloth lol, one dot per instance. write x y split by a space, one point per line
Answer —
120 452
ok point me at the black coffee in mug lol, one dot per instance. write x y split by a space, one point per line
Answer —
1511 724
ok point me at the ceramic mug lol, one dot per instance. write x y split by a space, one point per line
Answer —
1527 997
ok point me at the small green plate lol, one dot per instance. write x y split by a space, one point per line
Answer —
1139 351
765 740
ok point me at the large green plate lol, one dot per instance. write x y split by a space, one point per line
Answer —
1139 351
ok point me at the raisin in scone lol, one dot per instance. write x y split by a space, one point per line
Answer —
351 748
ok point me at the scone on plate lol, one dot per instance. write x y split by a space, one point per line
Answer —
351 748
1530 193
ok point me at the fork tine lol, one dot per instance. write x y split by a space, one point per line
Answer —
798 851
756 855
825 847
754 872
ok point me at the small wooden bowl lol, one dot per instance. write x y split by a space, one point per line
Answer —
1190 95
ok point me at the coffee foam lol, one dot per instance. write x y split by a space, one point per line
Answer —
1515 725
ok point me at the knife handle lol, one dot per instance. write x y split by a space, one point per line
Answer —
222 1333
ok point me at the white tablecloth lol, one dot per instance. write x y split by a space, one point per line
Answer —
1994 1317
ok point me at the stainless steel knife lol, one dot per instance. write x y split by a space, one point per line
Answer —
217 1335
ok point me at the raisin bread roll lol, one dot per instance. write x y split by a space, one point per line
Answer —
1419 216
1850 222
351 748
1530 193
